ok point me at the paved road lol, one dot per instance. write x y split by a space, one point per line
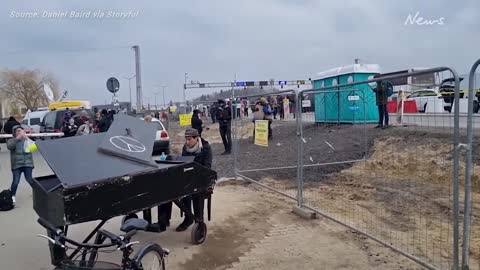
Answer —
18 228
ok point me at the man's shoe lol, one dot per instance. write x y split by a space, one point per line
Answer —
13 199
226 153
385 127
184 226
379 126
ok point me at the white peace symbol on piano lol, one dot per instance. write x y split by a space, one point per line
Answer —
127 144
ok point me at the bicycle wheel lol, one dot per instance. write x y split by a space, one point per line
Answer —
150 257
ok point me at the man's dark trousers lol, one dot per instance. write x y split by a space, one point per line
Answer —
226 134
383 114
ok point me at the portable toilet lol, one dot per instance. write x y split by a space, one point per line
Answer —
347 105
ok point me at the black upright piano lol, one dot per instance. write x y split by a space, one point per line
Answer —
100 176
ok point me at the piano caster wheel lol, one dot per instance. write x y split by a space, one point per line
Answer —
129 216
199 233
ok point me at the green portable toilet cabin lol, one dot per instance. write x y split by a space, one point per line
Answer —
351 104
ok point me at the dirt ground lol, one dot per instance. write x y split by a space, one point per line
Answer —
402 193
261 232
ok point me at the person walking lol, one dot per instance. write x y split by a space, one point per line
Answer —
224 117
21 160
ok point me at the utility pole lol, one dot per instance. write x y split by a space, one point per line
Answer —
138 75
163 91
156 94
163 86
130 87
184 88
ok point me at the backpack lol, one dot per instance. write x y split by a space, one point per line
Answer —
268 112
6 202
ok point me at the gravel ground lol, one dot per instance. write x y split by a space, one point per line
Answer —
323 144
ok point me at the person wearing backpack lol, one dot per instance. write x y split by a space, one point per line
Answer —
21 160
268 115
383 90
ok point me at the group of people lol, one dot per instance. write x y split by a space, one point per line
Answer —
221 112
81 124
240 108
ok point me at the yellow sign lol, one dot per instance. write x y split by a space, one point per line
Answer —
261 132
186 119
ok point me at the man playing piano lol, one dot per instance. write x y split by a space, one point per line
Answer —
201 150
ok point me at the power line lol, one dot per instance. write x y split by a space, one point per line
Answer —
73 50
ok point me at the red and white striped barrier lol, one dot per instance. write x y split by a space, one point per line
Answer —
36 135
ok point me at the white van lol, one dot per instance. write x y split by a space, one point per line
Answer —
34 120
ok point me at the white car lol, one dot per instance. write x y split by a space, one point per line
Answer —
422 97
34 120
162 139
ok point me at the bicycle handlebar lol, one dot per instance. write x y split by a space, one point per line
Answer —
48 226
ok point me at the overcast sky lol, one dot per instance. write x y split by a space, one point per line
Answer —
213 40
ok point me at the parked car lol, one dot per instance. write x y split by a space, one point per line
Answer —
447 90
162 139
53 120
34 120
421 98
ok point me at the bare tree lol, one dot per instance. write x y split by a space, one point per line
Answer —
25 87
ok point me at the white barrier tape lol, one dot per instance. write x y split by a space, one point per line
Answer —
60 134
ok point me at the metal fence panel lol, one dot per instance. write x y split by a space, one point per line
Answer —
402 191
471 226
263 165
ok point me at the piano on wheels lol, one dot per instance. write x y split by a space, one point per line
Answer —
105 175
